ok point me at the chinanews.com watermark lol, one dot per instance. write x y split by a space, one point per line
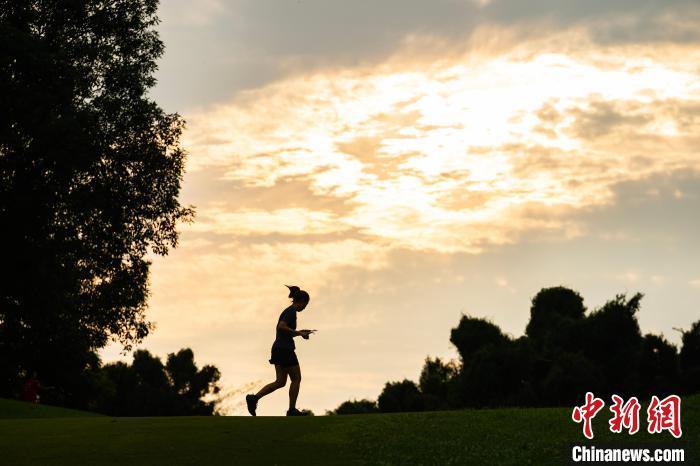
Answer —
661 415
607 454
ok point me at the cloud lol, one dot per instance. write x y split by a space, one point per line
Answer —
602 117
629 277
614 21
659 280
291 221
191 13
461 155
337 29
215 49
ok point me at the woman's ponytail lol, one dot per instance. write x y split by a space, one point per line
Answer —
293 291
297 294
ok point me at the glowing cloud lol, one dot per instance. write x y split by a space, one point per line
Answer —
459 154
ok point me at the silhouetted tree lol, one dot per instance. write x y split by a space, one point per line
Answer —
690 358
658 367
611 339
400 396
148 388
554 315
498 375
357 407
472 334
189 381
564 354
568 375
90 172
436 381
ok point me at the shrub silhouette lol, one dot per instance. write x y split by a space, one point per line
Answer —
149 388
554 315
436 381
473 334
611 339
659 367
400 396
567 376
357 407
564 353
690 358
497 375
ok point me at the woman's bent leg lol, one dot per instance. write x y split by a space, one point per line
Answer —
279 382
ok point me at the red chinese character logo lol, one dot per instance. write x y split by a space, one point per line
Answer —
587 412
625 415
665 415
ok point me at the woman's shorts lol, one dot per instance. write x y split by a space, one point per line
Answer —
284 357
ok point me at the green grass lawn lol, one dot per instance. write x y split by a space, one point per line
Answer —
12 409
489 436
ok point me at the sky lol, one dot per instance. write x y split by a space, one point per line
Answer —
407 162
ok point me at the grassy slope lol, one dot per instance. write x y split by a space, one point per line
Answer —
20 409
499 436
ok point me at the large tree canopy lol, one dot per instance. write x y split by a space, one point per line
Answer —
554 315
90 172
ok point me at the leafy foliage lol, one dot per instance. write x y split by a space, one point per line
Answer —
659 367
147 387
553 317
435 382
356 407
473 334
400 396
90 172
611 339
564 353
690 358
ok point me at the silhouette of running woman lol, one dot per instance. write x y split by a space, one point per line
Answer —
283 356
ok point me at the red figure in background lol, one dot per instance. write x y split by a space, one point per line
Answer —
30 389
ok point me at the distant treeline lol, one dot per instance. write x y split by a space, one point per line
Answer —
564 353
146 387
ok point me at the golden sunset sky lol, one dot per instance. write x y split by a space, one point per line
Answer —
409 161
